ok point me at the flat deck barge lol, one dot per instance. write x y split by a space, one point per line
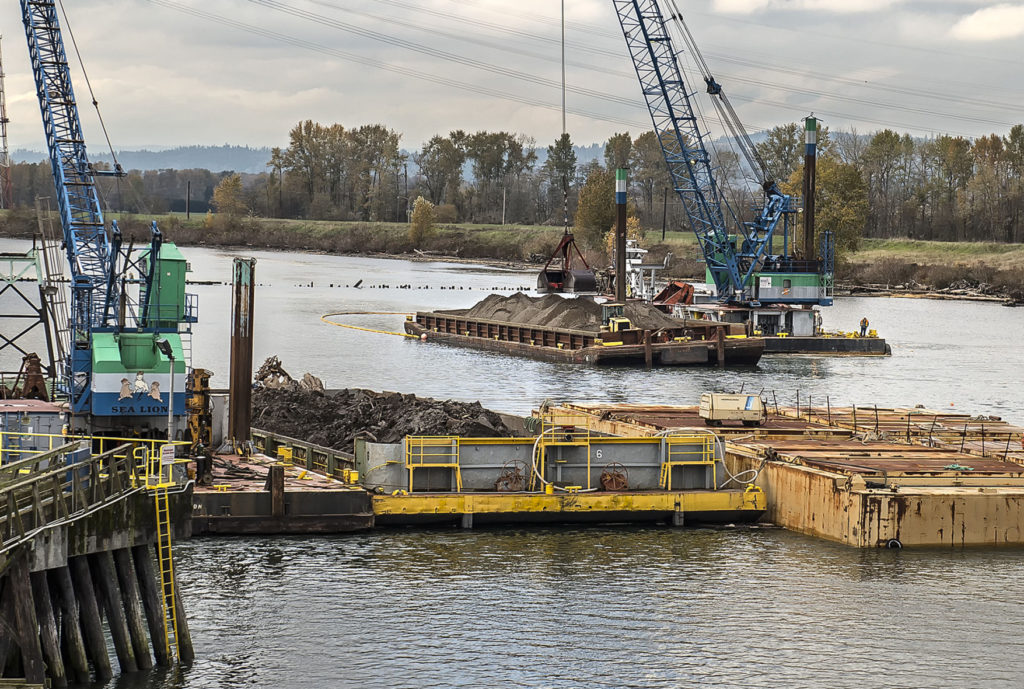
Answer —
865 476
686 345
467 482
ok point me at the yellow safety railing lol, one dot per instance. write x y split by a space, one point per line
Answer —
564 429
688 450
433 452
152 462
150 472
559 429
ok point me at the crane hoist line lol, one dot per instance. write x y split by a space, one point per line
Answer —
129 311
740 255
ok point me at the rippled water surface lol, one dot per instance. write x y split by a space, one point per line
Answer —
598 607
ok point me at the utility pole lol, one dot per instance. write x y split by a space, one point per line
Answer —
6 188
565 177
620 235
810 181
664 211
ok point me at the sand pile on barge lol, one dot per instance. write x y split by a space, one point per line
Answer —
335 418
553 311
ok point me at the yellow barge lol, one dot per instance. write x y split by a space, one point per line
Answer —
473 509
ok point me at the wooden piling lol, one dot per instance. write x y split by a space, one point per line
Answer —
89 615
186 653
720 345
132 608
48 630
114 604
71 626
648 357
151 603
26 621
8 641
275 484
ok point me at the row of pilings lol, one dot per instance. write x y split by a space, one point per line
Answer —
53 622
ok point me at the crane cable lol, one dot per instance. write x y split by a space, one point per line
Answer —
725 110
140 202
88 83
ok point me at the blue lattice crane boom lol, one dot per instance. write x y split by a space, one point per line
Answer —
121 302
737 253
89 250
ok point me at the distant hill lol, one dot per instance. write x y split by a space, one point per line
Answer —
213 158
241 158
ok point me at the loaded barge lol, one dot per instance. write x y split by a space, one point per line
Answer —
600 334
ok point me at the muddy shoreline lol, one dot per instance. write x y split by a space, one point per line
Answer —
519 265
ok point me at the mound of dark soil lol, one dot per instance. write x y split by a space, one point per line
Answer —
336 418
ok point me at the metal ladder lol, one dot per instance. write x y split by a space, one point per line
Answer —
165 561
53 275
186 349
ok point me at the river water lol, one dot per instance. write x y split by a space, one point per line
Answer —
615 607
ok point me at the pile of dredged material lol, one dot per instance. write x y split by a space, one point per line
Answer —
554 311
335 418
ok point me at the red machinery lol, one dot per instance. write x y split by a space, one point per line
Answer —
562 278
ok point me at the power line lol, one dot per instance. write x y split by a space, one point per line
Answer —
436 52
402 70
461 60
940 93
827 96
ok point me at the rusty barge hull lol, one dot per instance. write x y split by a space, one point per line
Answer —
863 476
579 346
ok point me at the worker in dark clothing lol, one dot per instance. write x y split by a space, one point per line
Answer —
864 327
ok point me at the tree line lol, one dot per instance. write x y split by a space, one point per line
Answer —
883 184
945 188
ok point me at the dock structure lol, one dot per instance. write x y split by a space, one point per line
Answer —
269 495
85 553
892 478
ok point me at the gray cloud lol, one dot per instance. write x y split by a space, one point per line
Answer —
165 77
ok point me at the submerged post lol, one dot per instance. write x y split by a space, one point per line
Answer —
242 304
620 235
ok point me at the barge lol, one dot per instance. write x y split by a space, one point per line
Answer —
866 477
563 474
683 345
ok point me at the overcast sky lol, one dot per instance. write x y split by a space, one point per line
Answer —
178 72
